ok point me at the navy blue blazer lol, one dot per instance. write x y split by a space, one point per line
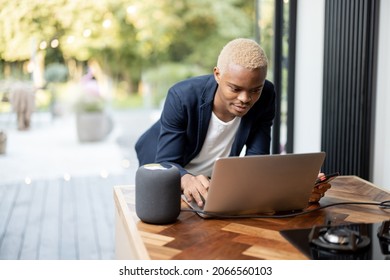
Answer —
177 137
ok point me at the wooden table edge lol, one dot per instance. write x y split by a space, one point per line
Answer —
124 218
368 183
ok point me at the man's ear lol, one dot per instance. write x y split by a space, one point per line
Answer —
217 74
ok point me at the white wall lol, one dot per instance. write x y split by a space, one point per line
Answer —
381 170
308 79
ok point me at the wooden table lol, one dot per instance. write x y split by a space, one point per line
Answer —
194 238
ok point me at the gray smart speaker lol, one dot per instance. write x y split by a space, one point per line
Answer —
157 193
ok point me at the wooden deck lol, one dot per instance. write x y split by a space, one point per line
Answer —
59 219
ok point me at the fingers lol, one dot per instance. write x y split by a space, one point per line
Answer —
314 198
205 181
195 187
322 188
319 192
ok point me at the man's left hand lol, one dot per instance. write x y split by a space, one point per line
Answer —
319 191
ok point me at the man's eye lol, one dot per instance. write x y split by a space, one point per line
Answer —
256 91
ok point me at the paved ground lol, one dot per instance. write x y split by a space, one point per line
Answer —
50 148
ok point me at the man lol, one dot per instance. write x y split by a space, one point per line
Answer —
215 116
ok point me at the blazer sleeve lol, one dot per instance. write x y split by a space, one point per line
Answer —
179 134
173 136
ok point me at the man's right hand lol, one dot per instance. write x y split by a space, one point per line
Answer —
195 187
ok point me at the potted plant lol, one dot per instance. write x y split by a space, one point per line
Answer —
3 142
92 121
55 75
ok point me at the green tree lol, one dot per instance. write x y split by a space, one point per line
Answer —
126 37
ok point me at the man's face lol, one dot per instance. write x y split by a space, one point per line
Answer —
238 89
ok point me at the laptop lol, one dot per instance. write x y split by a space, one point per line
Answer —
261 184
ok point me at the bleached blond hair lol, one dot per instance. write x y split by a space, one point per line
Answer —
244 52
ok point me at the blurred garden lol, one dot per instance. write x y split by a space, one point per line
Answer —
133 50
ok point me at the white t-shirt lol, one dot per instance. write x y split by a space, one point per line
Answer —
218 143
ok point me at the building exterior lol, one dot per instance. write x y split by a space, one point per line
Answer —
311 84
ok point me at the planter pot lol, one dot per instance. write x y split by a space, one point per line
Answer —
3 142
93 126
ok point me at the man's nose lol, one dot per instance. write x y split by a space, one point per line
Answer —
244 97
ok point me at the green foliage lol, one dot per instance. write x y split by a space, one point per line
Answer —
125 101
86 104
56 73
126 37
160 79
